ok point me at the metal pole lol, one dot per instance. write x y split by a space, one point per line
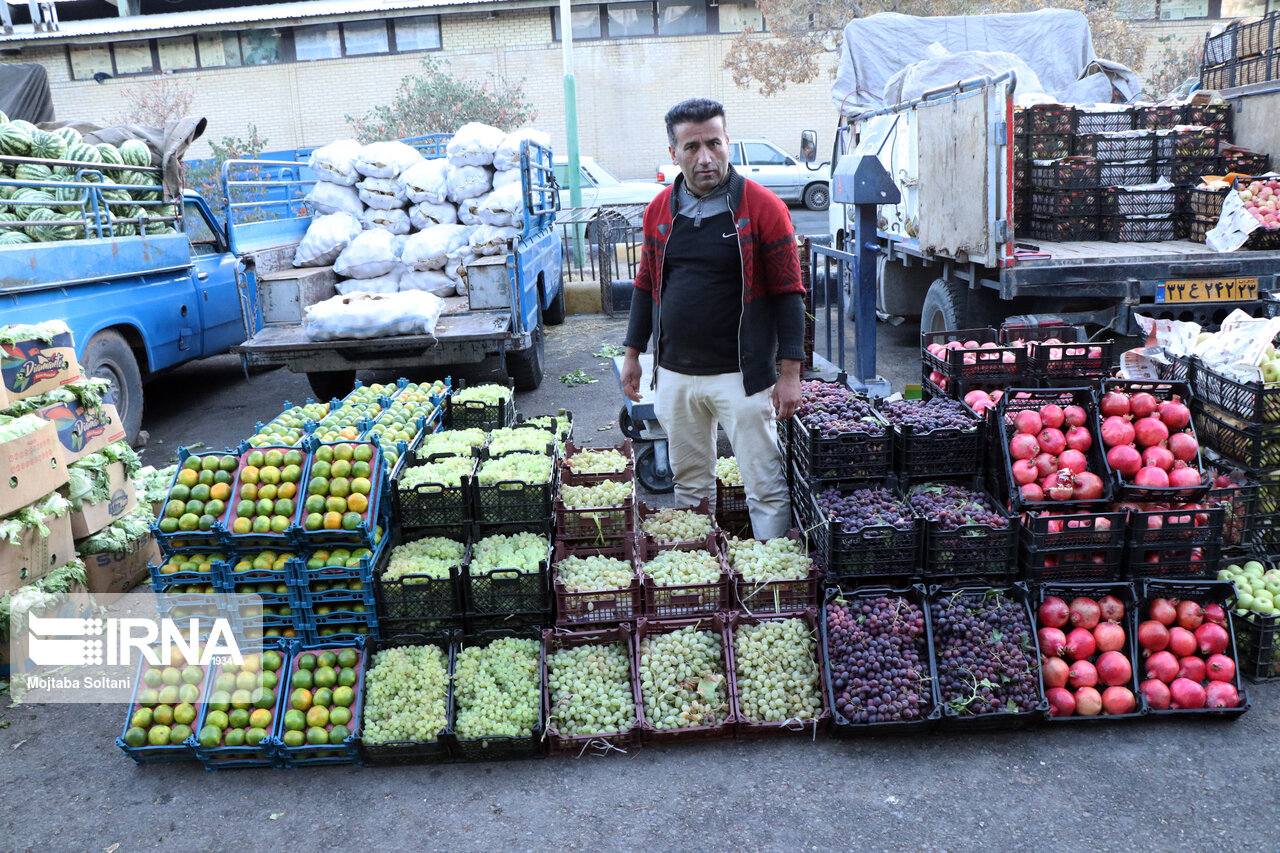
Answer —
864 301
574 170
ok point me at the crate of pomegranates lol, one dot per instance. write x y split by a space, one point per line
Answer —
1178 541
1150 443
1089 666
1076 546
1185 631
1060 354
1234 489
970 355
1049 452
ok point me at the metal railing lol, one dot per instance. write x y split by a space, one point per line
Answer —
601 244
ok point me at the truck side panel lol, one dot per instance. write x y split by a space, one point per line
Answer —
955 219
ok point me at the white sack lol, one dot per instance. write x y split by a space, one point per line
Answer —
492 239
425 215
432 281
370 255
473 144
393 221
325 239
372 315
468 182
504 207
335 163
326 198
428 250
507 154
388 283
386 159
506 179
426 181
382 193
469 210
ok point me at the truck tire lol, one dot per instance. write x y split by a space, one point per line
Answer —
524 366
817 196
326 386
108 356
555 312
946 306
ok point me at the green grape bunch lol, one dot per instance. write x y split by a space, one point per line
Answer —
404 695
588 574
596 460
606 494
520 552
727 471
590 690
448 471
497 689
528 468
457 441
681 568
518 440
682 679
775 559
490 395
668 526
776 672
431 557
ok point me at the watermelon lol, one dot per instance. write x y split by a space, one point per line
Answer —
47 146
14 238
32 199
44 233
4 119
122 228
14 140
135 153
116 196
69 135
109 154
27 126
84 153
71 198
8 217
34 172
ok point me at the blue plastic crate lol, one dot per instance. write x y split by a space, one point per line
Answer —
367 621
148 754
209 540
288 625
265 753
346 752
215 577
377 514
264 541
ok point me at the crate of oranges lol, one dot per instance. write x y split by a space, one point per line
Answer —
198 497
266 503
343 491
261 597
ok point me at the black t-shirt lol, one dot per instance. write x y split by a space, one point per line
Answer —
701 297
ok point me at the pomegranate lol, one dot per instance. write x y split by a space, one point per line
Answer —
1118 700
1024 471
1053 612
1153 636
1052 415
1190 615
1052 440
1055 671
1052 641
1151 478
1082 674
1220 694
1114 668
1084 612
1111 607
1023 446
1174 414
1187 478
1080 644
1184 446
1186 693
1181 641
1028 421
1088 486
1211 637
975 396
1079 438
1159 457
1150 431
1046 464
1114 404
1191 667
1142 404
1117 431
1032 492
1075 416
1061 702
1088 702
1162 665
1157 693
1124 459
1163 611
1109 637
1215 614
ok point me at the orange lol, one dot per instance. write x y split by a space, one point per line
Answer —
333 521
188 477
313 521
249 474
317 716
287 490
220 491
357 503
242 525
348 432
344 451
340 487
361 485
267 492
249 492
335 504
269 474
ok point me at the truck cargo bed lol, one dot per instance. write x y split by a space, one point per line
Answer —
1091 251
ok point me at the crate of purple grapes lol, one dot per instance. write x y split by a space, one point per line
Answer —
1059 354
966 533
890 625
864 531
836 435
987 656
940 437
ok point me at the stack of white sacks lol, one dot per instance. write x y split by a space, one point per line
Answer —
391 221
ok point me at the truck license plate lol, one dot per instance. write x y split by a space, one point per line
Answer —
1207 290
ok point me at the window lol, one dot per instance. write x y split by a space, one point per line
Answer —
735 154
736 17
630 19
177 54
586 22
417 33
203 239
219 50
261 47
1243 8
680 18
647 18
317 42
1177 10
90 60
133 57
759 154
364 38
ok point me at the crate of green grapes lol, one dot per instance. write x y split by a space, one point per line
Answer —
675 707
597 515
777 664
488 406
515 489
660 528
419 591
507 578
591 702
685 580
435 497
596 585
584 466
408 700
773 575
492 723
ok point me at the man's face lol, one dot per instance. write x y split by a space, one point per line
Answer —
702 153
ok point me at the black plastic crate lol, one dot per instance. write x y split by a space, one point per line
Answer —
1206 202
1132 145
1067 173
1254 69
1050 118
1204 592
1061 354
419 604
514 502
1102 121
1127 596
508 594
1218 76
596 606
852 455
1255 638
994 363
438 507
1257 36
1175 543
1245 162
842 725
962 552
499 747
603 743
1252 444
939 452
1004 718
1158 116
1137 229
1176 368
1127 174
808 728
874 551
1044 146
473 413
1066 228
1126 201
1189 142
1080 546
1162 391
1188 170
398 753
1220 48
1239 498
1077 202
1021 121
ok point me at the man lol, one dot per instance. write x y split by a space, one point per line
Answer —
718 288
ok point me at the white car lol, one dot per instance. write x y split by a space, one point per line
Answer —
791 179
600 188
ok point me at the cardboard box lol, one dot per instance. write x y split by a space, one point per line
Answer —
93 517
83 431
35 556
33 367
31 467
112 573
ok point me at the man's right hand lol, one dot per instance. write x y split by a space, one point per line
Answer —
631 374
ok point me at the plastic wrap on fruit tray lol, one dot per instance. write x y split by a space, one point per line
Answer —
1240 347
1237 223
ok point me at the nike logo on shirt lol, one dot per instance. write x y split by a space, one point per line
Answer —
730 234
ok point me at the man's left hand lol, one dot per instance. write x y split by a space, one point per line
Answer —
786 396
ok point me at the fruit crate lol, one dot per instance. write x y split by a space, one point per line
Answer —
597 606
344 624
1245 162
647 548
405 752
684 601
848 455
436 509
1214 116
1175 543
938 452
570 477
995 363
1130 201
1048 146
1255 69
265 753
1138 229
250 614
1162 391
1067 173
211 580
1158 116
971 550
1066 228
1188 170
1127 174
755 729
515 502
547 442
148 753
209 540
474 413
604 743
1207 202
1129 597
1003 719
1080 546
417 603
376 501
732 513
1186 142
498 747
1073 360
1253 445
1176 368
1239 501
1220 48
771 597
1218 76
1204 592
1102 121
724 723
1001 428
1050 118
597 527
1123 146
514 597
1074 202
348 585
841 723
346 751
847 552
1256 642
281 540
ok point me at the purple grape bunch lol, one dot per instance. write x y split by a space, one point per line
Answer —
985 653
866 507
953 506
833 410
925 416
876 649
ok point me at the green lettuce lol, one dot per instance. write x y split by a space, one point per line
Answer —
120 537
15 427
90 479
13 526
87 392
40 592
33 332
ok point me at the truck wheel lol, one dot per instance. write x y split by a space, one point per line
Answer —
555 313
817 196
945 307
524 366
108 356
326 386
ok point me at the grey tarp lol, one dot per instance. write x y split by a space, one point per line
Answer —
1054 43
167 144
24 92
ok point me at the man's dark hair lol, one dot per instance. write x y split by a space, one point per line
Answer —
692 110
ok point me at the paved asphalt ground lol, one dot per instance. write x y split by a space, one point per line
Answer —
1163 785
